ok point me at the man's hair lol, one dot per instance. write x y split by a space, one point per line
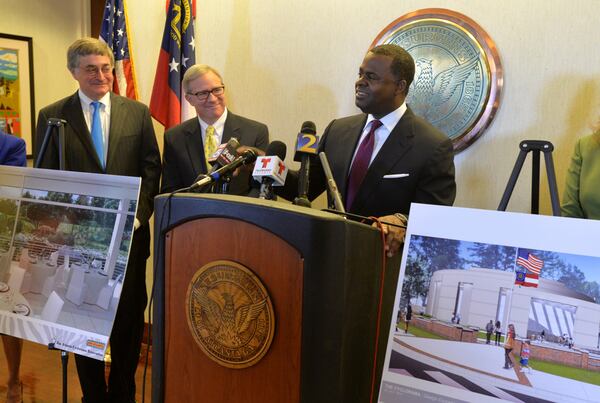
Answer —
403 65
197 70
85 47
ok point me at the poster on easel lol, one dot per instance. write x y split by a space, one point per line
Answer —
495 306
64 245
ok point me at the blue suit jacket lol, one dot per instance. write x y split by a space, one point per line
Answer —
12 150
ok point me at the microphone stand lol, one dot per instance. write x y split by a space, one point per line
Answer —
302 199
56 127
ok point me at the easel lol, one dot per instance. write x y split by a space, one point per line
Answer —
534 146
56 127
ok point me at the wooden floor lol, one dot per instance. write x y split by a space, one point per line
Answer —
41 374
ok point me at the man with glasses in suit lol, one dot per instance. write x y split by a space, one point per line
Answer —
109 134
188 146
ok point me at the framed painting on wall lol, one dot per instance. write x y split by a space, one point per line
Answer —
17 101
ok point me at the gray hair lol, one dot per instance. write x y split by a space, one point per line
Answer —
197 70
85 47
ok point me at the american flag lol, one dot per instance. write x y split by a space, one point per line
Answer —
528 268
177 53
529 261
114 32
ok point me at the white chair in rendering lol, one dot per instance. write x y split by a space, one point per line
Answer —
16 278
77 288
53 261
59 280
52 308
24 261
107 293
5 259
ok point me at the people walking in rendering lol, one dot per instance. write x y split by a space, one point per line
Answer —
489 329
525 356
498 331
407 318
509 343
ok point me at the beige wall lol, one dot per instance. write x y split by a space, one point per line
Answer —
285 62
289 61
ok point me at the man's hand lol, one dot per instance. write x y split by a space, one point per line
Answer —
250 167
394 236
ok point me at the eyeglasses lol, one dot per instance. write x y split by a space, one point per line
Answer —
93 71
203 95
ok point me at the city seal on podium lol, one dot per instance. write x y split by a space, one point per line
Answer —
230 314
458 77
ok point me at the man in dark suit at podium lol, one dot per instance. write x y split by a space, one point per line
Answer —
188 146
386 157
109 134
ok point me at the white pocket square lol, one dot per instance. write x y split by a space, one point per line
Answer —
394 176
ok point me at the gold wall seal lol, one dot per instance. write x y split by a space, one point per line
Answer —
230 314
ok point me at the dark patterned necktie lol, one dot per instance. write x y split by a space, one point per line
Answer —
361 164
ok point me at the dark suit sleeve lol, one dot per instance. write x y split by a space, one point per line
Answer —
16 156
171 180
150 168
436 183
262 138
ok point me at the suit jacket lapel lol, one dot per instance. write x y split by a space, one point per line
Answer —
195 148
397 144
75 118
341 158
231 128
118 115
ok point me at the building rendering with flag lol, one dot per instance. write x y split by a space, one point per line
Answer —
480 294
115 33
177 53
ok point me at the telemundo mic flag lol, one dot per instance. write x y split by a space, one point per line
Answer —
116 35
177 53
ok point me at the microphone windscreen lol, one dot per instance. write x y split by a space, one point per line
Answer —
308 127
248 156
276 148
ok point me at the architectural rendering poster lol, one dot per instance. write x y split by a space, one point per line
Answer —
495 305
64 244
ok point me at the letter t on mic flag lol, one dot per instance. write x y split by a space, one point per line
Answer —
115 34
176 55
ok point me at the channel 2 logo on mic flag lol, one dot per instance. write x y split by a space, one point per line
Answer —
307 143
270 167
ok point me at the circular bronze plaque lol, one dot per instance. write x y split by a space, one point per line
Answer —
230 314
458 78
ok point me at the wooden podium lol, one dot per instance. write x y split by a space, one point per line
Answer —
321 276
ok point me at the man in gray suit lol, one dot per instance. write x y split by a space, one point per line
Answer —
188 146
109 134
386 157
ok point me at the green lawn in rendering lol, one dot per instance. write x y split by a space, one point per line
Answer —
578 374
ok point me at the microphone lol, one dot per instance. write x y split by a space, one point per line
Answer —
307 144
225 154
271 170
333 189
247 157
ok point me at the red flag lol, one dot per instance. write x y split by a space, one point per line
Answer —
116 35
177 53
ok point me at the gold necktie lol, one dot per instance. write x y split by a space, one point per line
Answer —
210 144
